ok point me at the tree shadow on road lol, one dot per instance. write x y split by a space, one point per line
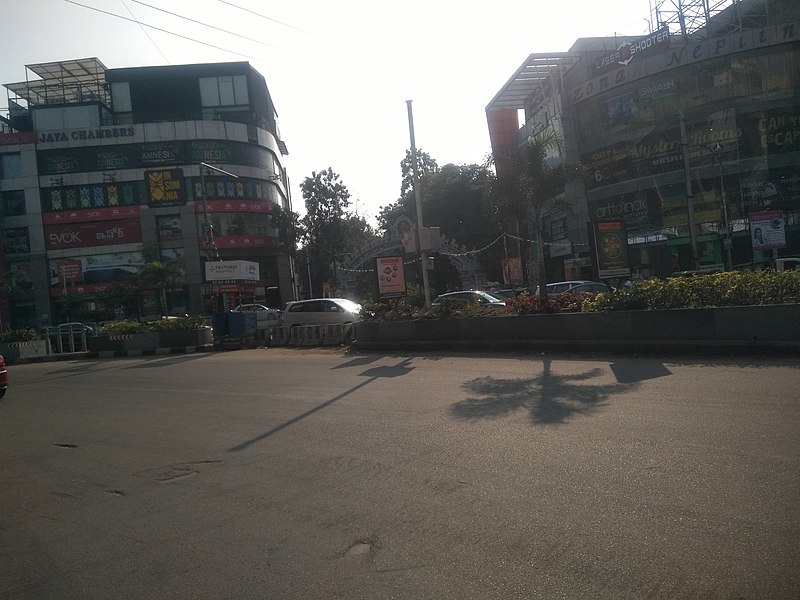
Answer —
548 398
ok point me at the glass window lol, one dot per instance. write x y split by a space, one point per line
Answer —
240 90
10 165
12 204
226 97
16 241
121 96
209 91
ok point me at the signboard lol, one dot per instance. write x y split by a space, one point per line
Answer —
92 214
81 235
165 188
391 276
611 248
224 270
628 51
768 230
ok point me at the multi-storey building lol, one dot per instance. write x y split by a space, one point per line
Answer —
104 169
690 136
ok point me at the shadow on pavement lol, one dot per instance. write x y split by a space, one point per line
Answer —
373 374
629 371
548 398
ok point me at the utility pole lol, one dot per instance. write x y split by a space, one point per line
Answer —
689 194
727 242
423 254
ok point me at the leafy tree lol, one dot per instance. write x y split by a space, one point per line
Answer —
405 205
331 231
530 184
290 229
162 275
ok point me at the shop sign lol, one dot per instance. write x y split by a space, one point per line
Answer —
82 235
165 188
101 133
627 51
223 270
92 214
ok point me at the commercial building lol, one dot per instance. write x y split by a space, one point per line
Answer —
690 136
103 170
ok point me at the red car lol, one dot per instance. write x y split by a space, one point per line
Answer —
3 376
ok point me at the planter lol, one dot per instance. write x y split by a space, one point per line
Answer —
755 328
20 350
151 341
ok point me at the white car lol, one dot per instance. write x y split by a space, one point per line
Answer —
264 314
321 311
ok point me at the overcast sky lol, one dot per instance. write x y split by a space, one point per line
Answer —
339 71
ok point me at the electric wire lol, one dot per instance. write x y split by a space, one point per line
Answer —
233 33
162 30
152 41
262 16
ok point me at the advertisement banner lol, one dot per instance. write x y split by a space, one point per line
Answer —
225 270
768 230
165 188
611 249
93 214
512 270
81 235
391 277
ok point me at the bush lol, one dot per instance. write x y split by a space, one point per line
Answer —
176 324
735 288
18 335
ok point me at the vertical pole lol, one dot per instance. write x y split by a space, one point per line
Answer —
728 240
423 254
689 194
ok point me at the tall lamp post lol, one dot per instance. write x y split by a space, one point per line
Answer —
728 241
423 254
211 249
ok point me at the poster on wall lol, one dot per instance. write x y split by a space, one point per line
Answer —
768 230
611 249
165 187
391 277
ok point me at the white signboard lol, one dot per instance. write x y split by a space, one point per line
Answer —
222 270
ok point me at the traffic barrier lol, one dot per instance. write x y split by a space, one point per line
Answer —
313 335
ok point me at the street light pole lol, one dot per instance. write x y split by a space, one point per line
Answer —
423 254
211 249
728 242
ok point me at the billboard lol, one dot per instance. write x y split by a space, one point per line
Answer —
226 270
102 233
768 230
611 249
165 188
391 276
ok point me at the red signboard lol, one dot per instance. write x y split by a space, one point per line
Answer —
91 214
89 288
81 235
234 206
69 270
26 137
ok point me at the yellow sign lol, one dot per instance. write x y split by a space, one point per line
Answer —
165 187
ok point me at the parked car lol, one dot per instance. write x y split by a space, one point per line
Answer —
3 376
264 314
321 311
577 286
467 297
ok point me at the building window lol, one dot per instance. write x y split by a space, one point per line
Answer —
224 91
10 166
16 241
12 204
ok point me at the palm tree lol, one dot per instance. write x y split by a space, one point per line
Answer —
530 184
162 275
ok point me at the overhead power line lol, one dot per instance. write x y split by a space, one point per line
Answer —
185 37
244 37
247 10
152 41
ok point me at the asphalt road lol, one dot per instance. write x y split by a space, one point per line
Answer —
290 473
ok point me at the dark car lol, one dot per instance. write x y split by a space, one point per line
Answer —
578 286
3 376
468 297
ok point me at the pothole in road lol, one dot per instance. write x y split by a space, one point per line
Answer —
361 547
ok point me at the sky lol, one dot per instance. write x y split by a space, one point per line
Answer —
339 71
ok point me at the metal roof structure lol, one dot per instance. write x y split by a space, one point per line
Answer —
536 69
63 82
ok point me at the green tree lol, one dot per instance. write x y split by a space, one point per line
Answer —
530 185
405 205
162 275
290 229
331 231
